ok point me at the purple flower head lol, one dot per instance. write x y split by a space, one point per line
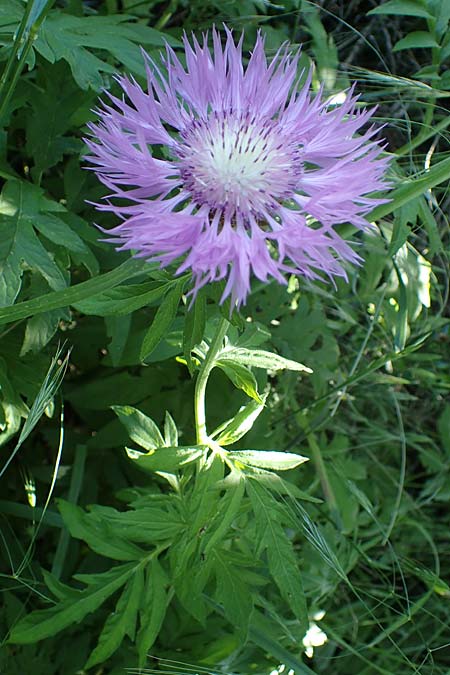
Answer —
256 172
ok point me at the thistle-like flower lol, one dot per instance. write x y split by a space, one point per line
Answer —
231 171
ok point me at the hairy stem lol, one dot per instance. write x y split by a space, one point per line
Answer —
202 380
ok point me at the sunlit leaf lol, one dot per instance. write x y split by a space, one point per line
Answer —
268 459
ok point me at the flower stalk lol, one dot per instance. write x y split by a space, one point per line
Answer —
202 380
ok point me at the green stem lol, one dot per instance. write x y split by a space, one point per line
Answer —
18 41
15 65
202 380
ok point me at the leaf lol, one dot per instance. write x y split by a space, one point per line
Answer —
11 12
24 209
163 318
271 481
323 47
190 587
141 429
194 327
401 322
146 525
58 589
403 8
254 335
46 622
39 331
118 330
97 533
14 407
260 358
228 509
241 377
123 300
19 244
119 388
418 39
65 36
121 622
153 609
47 125
443 425
408 190
400 234
68 296
240 424
431 227
170 431
280 486
233 593
57 231
268 459
280 554
166 459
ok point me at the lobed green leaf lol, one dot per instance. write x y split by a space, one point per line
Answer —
47 622
97 533
121 622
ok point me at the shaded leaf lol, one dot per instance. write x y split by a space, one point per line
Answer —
228 509
46 622
153 609
282 560
19 244
68 37
68 296
97 533
163 318
121 622
232 592
144 525
122 300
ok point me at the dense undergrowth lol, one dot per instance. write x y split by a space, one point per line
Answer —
176 562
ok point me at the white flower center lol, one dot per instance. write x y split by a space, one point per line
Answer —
238 162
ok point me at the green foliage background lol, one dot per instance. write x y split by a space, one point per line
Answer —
174 560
